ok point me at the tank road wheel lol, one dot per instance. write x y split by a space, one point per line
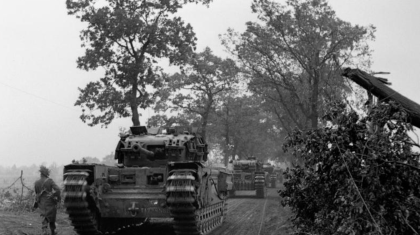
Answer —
181 199
225 211
189 220
82 215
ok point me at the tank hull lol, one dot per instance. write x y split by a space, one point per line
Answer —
112 198
249 184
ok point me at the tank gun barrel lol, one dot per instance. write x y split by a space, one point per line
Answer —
138 148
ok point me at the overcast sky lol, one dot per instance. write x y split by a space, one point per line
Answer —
39 79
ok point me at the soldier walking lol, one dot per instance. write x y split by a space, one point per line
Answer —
47 198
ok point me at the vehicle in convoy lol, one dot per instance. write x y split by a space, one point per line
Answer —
248 176
271 176
160 174
279 174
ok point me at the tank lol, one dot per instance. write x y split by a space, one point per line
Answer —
271 176
161 173
248 179
279 173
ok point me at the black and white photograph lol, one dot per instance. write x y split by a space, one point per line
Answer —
209 117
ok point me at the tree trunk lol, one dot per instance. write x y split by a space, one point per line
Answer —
205 118
378 87
204 127
135 118
314 102
227 139
133 104
235 150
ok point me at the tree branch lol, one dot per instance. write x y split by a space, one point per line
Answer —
377 86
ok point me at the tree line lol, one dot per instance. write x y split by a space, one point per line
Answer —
281 73
281 86
31 173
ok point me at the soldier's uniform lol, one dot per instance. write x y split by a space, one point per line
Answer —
47 196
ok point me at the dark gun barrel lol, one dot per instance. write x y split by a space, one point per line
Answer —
138 148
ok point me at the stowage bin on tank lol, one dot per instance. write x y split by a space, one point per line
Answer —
160 173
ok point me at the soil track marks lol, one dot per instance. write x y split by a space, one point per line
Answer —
255 216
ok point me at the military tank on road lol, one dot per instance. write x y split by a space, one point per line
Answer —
279 173
271 176
248 176
160 174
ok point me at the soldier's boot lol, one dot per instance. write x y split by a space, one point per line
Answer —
45 228
45 231
52 227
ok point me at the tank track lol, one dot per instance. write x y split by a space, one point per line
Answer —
260 185
187 218
81 209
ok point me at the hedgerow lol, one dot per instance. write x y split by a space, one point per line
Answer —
360 175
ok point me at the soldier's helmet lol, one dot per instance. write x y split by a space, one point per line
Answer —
44 171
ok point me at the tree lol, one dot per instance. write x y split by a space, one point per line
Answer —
198 89
294 56
242 128
355 179
182 119
378 87
126 38
55 170
109 160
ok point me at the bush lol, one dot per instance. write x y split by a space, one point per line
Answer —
359 176
16 202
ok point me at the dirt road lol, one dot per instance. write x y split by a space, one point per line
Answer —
255 216
246 216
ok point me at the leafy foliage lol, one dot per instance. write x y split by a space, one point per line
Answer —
200 86
126 38
294 55
360 176
182 119
242 128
